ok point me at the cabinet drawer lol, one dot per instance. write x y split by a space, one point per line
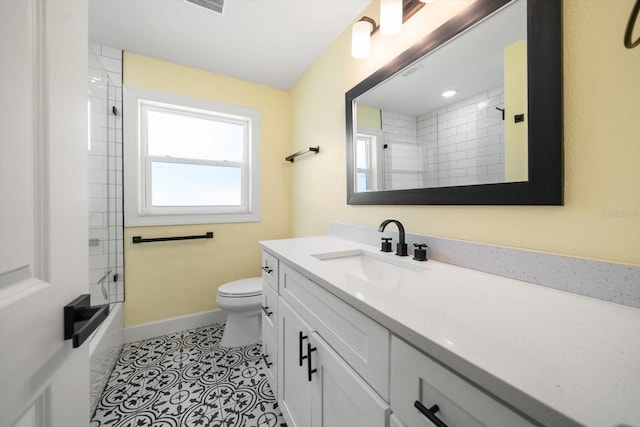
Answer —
270 270
270 358
416 377
359 340
269 313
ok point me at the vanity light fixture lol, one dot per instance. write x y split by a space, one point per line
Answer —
361 37
448 93
393 13
390 16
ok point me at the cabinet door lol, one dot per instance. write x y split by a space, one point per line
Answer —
294 389
270 357
340 397
269 313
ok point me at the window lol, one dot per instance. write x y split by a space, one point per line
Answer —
369 165
189 160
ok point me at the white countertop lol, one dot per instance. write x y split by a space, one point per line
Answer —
560 358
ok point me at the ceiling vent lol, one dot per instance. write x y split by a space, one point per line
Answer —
214 5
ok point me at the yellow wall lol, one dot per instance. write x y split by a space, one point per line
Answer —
516 158
171 279
601 215
368 117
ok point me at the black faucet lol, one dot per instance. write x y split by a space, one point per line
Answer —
401 247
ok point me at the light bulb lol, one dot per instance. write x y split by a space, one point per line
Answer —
361 39
390 16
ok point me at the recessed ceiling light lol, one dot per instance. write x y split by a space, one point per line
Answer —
448 93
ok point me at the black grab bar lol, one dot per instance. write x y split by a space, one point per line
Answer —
138 239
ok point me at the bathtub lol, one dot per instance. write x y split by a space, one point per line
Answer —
104 348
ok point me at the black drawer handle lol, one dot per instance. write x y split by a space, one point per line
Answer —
266 362
430 413
266 311
309 370
267 269
301 338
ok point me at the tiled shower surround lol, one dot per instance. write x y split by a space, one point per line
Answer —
106 264
462 144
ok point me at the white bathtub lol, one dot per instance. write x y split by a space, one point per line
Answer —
104 348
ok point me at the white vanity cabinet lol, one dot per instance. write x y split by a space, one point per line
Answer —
359 340
269 317
316 387
332 361
270 333
417 380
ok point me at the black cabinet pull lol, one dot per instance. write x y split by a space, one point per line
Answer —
430 413
267 269
266 362
301 338
309 370
266 311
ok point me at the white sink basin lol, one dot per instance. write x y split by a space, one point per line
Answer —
370 266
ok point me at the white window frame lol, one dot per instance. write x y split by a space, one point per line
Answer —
374 157
137 165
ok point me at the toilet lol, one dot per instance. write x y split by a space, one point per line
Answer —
242 299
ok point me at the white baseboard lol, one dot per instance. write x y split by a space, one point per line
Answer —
175 324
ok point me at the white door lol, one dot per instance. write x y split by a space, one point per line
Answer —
340 397
43 212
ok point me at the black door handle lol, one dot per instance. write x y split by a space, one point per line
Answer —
309 370
267 269
266 362
430 413
301 338
266 311
81 319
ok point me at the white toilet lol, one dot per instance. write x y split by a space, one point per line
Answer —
242 299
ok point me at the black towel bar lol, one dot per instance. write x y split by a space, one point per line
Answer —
300 153
138 239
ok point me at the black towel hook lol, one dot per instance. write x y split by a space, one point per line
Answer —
633 18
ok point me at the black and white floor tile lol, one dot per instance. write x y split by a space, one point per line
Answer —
186 379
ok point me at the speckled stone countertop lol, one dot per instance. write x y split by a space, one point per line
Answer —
561 359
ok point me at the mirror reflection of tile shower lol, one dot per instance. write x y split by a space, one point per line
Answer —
106 260
462 144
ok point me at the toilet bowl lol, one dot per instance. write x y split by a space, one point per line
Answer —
242 299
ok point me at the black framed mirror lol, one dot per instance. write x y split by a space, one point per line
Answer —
538 177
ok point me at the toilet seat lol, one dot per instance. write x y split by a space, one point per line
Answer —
242 288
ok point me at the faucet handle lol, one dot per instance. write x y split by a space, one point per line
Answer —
386 244
420 251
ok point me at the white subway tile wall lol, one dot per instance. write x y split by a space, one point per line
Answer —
462 144
106 267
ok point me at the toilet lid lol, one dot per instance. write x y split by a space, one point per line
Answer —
242 288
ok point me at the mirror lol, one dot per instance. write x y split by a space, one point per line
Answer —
497 140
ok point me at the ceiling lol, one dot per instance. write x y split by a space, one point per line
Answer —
470 64
270 42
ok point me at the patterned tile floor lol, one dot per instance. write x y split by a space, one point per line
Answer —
187 379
